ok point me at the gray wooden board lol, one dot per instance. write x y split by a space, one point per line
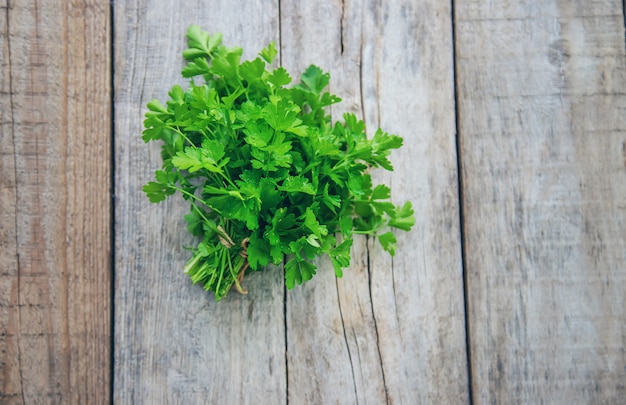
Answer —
346 341
391 330
541 111
55 142
173 342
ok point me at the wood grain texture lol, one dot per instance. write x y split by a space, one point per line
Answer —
174 343
391 330
55 202
541 112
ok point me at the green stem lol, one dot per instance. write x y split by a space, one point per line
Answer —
228 180
179 132
232 272
208 221
201 213
370 232
221 271
188 194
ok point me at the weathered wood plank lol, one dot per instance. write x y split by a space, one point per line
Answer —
389 330
55 202
541 111
173 343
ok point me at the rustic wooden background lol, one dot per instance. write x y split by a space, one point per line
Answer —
510 288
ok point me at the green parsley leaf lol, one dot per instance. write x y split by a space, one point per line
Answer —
403 217
388 241
340 256
279 77
258 252
297 271
297 184
314 79
198 67
269 53
200 43
157 192
252 70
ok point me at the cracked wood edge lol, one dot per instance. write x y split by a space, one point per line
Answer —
542 123
173 342
388 331
55 202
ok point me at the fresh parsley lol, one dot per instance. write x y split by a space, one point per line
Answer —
267 175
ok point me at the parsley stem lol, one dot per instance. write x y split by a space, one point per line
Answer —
199 211
372 231
189 194
208 221
179 132
228 180
221 271
232 272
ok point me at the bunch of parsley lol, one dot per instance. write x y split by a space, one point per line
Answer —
267 174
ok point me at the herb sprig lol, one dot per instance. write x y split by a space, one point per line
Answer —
266 173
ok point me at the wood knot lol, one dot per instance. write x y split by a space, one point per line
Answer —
558 52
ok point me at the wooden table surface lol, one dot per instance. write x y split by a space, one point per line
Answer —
509 289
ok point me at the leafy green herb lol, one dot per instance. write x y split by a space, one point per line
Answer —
267 175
